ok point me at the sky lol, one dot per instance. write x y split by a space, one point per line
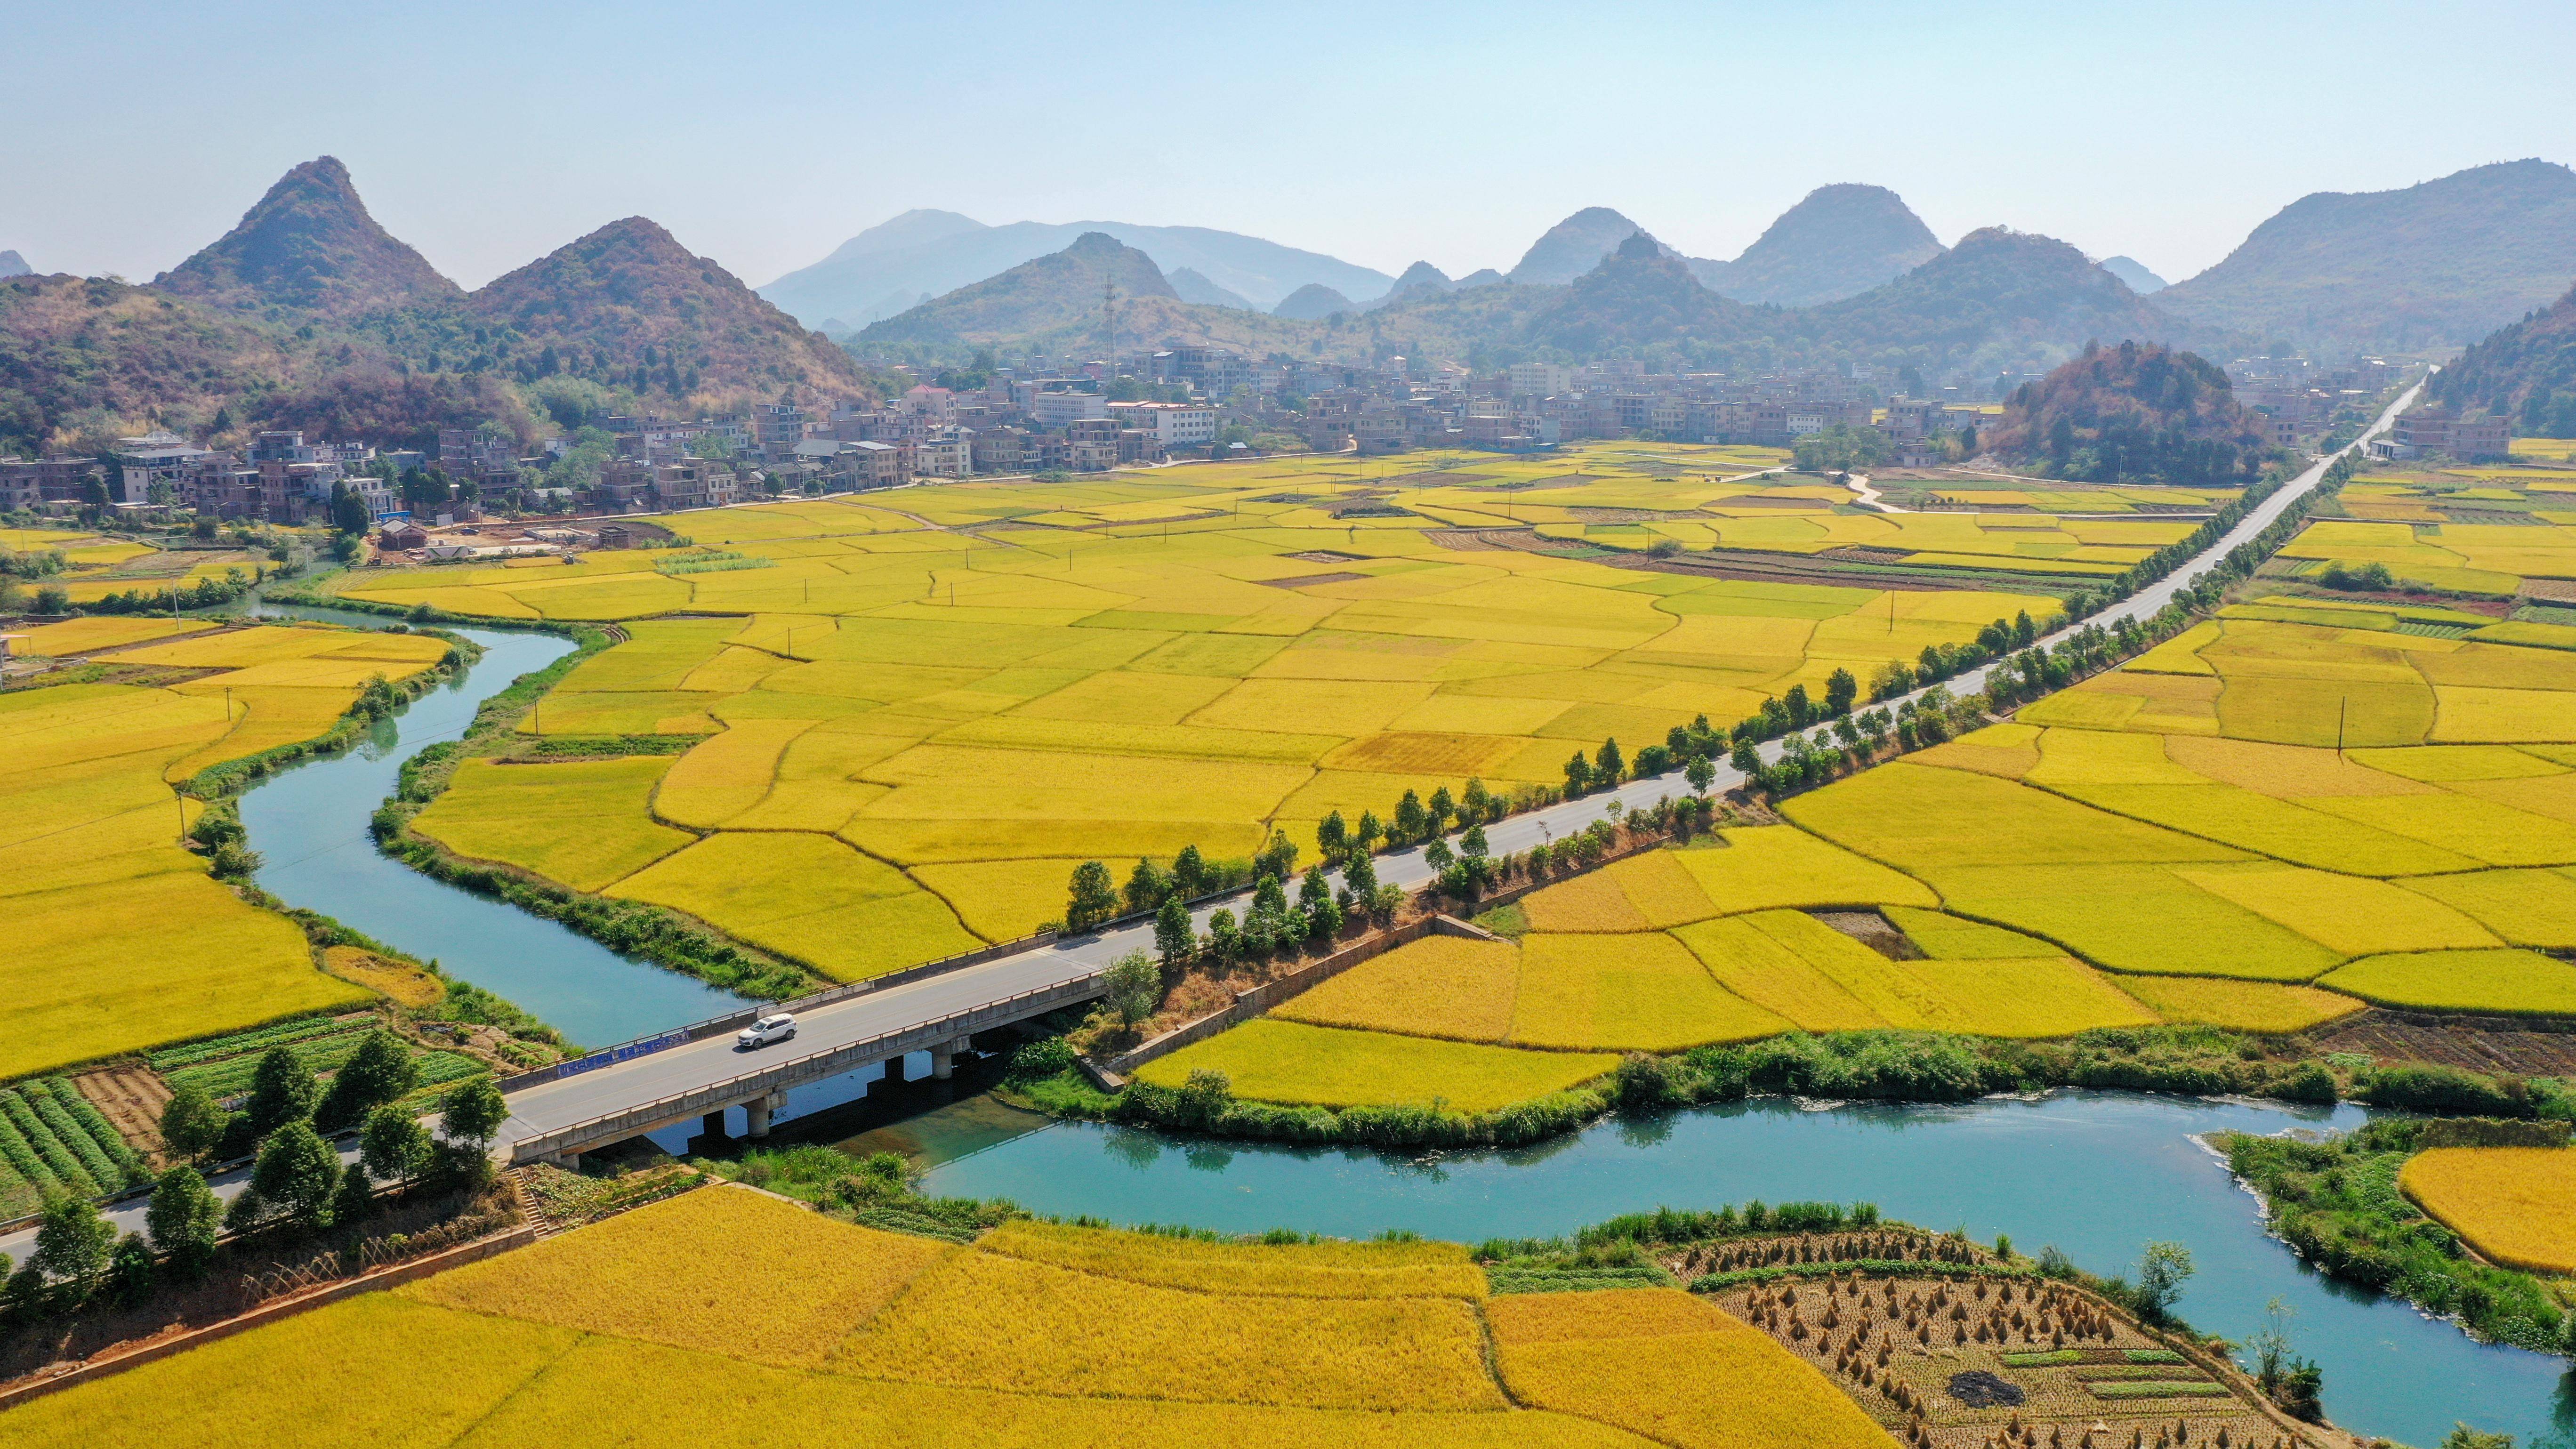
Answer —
763 135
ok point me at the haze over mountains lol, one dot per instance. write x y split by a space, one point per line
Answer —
14 265
921 254
2436 265
308 311
2000 301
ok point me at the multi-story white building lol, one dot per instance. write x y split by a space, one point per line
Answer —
1539 379
1057 409
1174 425
156 458
946 453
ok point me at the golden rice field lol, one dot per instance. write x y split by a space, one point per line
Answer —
934 703
2476 530
1290 1061
119 939
2516 1205
2143 847
759 1323
1670 1367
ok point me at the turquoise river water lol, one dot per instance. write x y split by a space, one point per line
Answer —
2096 1175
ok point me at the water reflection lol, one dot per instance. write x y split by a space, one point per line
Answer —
2096 1175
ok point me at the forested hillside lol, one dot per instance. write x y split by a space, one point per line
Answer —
2134 413
310 245
2527 371
2430 267
308 314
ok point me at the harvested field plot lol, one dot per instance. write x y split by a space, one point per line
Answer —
1959 1358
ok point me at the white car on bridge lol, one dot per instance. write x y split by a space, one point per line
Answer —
777 1027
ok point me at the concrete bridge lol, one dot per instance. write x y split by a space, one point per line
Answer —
698 1073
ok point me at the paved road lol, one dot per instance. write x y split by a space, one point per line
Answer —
557 1104
542 1108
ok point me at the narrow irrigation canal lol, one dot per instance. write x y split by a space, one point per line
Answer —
2095 1174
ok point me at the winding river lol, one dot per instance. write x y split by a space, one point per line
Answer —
2096 1175
310 822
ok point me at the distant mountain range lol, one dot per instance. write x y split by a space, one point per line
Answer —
1190 286
307 310
2527 371
1056 303
2430 267
897 264
2135 273
308 313
1999 301
14 265
1838 242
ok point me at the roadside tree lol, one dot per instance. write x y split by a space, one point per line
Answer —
381 1070
72 1242
1134 987
296 1174
192 1125
184 1219
1092 899
282 1090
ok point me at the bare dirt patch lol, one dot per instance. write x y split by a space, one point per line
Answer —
2478 1046
1873 930
131 1098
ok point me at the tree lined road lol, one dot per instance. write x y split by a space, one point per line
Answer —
541 1108
544 1107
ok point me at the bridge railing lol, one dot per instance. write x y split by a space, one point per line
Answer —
743 1016
643 1116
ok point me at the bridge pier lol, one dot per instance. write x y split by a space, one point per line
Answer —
943 1056
894 1076
712 1125
756 1113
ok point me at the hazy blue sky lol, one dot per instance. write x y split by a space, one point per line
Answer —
764 134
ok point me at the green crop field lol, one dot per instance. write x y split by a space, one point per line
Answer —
917 720
119 938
